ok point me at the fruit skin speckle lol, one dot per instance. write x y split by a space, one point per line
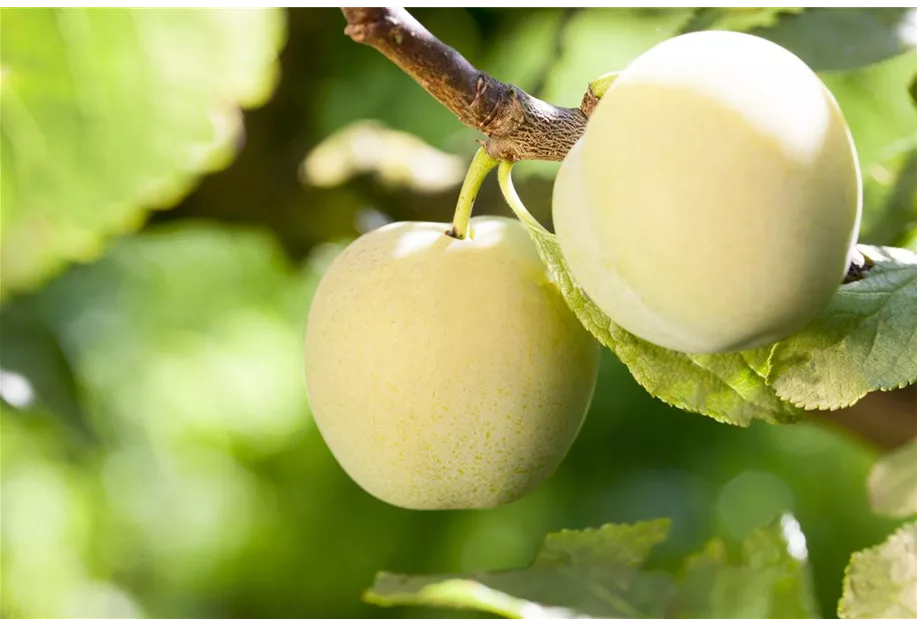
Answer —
714 201
445 373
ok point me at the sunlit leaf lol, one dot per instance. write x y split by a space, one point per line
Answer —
589 573
109 113
396 158
599 573
876 105
890 200
910 240
881 582
866 339
770 579
598 41
729 387
206 320
893 482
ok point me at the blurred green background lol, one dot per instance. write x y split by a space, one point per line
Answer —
158 455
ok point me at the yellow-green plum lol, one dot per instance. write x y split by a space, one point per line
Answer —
446 373
714 201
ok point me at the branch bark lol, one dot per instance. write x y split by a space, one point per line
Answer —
519 126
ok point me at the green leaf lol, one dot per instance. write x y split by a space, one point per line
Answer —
883 122
890 200
770 578
837 39
910 240
108 113
741 19
349 69
598 573
368 147
893 482
219 345
30 351
589 573
881 582
728 387
865 340
522 52
876 105
598 41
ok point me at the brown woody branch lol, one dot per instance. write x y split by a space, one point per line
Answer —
519 126
886 420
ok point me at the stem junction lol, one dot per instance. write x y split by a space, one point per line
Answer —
480 167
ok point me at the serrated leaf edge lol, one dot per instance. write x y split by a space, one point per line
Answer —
606 332
827 406
842 610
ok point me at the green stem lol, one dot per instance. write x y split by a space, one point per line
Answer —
480 167
599 86
504 175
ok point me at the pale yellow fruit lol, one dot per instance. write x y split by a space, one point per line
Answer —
714 200
583 252
445 373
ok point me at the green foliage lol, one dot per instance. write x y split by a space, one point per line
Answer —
234 342
769 580
600 573
31 351
910 242
49 502
881 581
890 197
739 387
863 342
519 54
893 482
225 368
883 122
597 41
109 113
379 84
742 19
867 323
590 573
828 39
726 387
729 388
163 461
876 105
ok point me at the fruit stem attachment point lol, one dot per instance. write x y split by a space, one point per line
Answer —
480 167
504 175
599 86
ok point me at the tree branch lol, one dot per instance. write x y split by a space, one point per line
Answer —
886 420
518 126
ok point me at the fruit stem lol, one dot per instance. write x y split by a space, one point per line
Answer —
480 167
504 175
599 86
